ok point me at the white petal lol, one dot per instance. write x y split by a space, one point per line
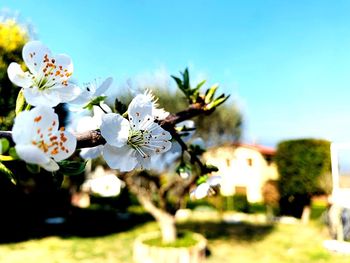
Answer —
91 153
31 154
161 146
160 114
99 113
50 166
18 76
65 93
35 125
144 163
175 148
140 109
86 123
115 129
103 87
214 180
159 133
33 55
82 99
122 158
45 118
37 97
23 128
67 144
200 191
64 67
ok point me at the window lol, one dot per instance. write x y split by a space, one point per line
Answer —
250 162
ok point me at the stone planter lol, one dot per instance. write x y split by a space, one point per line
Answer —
144 253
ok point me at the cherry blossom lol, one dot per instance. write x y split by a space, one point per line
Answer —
207 188
132 142
93 91
47 81
39 140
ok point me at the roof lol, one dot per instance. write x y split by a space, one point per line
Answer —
265 150
260 148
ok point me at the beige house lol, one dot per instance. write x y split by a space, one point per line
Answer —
244 168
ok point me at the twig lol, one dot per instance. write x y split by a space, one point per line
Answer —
94 137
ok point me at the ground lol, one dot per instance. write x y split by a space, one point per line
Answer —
227 242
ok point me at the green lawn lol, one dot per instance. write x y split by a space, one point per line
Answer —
240 242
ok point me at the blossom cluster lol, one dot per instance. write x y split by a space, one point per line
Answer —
39 139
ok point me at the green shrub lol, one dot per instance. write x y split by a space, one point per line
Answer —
240 203
303 165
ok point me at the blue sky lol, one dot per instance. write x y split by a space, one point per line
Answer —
286 63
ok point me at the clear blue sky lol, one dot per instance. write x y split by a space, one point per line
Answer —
287 63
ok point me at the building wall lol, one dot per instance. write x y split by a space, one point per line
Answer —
243 169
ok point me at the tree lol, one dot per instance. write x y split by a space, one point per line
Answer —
130 136
301 165
12 39
220 126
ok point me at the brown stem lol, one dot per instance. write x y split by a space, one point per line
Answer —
165 220
94 137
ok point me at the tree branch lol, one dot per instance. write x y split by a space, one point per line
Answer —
94 137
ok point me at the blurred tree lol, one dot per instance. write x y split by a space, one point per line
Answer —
271 197
301 165
219 126
12 39
223 125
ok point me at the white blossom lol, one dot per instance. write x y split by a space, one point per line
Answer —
207 188
47 81
93 90
103 183
39 140
132 142
148 100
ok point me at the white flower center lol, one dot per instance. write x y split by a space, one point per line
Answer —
139 139
50 74
48 142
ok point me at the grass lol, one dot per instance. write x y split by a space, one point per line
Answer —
184 239
240 242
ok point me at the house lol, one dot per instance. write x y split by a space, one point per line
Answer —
244 168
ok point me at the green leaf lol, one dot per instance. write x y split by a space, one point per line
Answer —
6 171
178 81
186 80
200 84
218 101
20 102
202 179
13 153
4 145
72 167
33 168
210 93
120 107
180 85
96 101
195 91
